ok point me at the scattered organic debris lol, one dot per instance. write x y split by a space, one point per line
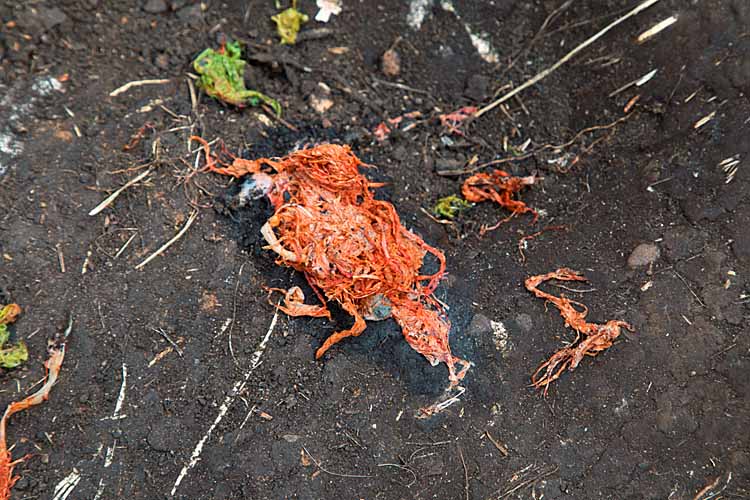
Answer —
351 247
52 367
13 356
452 120
449 206
288 23
523 242
383 130
221 77
714 488
327 8
591 338
499 186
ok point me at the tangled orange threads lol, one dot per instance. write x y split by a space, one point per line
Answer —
352 248
499 186
591 338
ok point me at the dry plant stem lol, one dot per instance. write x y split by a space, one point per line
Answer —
539 34
237 388
466 474
591 338
170 242
500 446
323 469
538 150
540 76
137 83
109 199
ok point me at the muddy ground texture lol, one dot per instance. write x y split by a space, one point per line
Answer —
661 414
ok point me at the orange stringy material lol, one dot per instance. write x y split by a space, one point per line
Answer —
591 338
500 187
52 367
352 248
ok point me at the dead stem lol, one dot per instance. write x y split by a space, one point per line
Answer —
540 76
170 242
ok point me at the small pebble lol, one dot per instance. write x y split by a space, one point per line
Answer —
644 254
391 63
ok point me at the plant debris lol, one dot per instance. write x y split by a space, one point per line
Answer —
288 23
384 129
449 206
451 121
13 356
327 8
499 186
352 248
591 338
52 368
221 77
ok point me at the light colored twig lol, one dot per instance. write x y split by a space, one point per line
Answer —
109 199
170 242
137 83
656 29
540 76
238 387
466 474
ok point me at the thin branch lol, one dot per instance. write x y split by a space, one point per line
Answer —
566 58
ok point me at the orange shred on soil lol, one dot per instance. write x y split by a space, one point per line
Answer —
591 338
499 186
52 368
351 247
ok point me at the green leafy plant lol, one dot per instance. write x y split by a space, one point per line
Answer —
221 77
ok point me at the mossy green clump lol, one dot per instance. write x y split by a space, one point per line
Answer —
221 77
449 206
17 354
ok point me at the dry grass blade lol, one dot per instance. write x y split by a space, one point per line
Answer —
170 242
656 29
109 199
540 76
137 83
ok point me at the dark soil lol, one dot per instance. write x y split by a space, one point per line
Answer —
661 414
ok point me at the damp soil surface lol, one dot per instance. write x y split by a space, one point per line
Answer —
158 370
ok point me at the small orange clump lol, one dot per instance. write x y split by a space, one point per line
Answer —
352 248
499 186
591 338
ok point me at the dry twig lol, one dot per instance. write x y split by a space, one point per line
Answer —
540 76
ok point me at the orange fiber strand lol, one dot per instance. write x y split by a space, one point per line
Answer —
499 186
52 368
351 247
591 338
